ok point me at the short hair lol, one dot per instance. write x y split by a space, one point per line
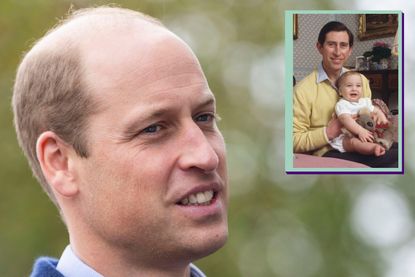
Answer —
49 92
342 77
334 26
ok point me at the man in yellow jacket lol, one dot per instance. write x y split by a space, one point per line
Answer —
315 97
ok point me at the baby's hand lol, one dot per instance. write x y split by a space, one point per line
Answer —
365 136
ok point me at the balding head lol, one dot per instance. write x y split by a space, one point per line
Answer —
50 92
84 23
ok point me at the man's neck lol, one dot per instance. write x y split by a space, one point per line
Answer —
333 75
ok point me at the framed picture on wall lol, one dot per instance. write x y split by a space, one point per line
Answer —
295 26
372 26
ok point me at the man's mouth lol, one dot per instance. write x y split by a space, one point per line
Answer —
198 199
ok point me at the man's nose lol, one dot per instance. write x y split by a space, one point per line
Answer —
197 151
337 49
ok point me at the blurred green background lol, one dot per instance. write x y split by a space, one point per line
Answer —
280 225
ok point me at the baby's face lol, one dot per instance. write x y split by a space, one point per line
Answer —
351 88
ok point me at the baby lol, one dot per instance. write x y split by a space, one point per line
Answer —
347 108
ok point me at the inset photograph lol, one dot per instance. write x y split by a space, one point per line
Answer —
344 92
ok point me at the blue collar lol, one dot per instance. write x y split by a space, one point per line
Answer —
71 266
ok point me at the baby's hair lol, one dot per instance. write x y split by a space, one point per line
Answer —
344 76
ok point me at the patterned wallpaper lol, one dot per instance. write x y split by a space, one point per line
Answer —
306 56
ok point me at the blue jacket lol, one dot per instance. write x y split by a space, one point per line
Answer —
45 267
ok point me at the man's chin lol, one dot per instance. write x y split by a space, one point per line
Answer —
337 66
208 244
332 66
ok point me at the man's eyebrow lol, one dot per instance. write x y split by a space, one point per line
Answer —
133 127
208 102
335 42
137 123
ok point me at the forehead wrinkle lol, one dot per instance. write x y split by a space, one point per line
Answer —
187 77
176 88
141 82
164 61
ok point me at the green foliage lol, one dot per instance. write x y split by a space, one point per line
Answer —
378 53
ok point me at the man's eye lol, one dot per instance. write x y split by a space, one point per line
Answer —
204 118
151 129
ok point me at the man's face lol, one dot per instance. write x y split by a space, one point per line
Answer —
335 51
351 88
156 179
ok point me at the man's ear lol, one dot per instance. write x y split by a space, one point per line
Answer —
350 51
319 47
54 158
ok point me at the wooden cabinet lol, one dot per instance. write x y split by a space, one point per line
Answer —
383 83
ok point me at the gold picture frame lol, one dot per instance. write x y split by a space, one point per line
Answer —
372 26
295 26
